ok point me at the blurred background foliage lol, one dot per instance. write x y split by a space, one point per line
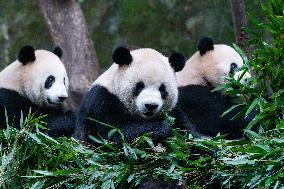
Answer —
164 25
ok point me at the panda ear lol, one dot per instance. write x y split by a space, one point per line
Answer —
26 54
177 61
58 51
205 44
122 56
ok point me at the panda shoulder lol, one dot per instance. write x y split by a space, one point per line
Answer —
11 77
11 97
106 78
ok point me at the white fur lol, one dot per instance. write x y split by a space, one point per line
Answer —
28 80
213 65
150 95
148 66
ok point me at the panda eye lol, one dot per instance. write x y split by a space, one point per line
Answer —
234 68
163 91
49 81
138 88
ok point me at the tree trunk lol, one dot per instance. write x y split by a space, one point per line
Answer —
239 21
69 30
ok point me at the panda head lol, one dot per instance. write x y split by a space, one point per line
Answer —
211 64
144 80
42 76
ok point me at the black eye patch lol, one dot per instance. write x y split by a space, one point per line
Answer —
138 88
163 91
49 81
233 69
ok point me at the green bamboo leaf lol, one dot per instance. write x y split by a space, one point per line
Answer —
42 172
240 160
48 137
253 182
241 52
264 147
95 139
125 149
38 185
252 133
33 136
108 184
252 106
221 87
276 184
66 172
111 133
130 178
231 109
149 141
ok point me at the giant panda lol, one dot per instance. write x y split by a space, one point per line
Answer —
37 81
204 71
131 95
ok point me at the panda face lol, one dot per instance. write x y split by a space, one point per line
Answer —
146 86
55 90
212 67
223 62
46 82
37 75
149 98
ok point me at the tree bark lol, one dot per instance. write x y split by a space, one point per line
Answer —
69 30
239 21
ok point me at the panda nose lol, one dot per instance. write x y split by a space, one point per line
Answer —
151 107
62 98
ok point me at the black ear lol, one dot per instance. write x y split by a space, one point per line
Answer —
26 54
177 61
122 56
58 51
205 44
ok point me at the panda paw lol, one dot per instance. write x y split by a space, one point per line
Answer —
161 131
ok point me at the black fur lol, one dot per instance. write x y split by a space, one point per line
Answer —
163 91
58 51
122 56
138 88
233 68
49 81
204 108
26 54
58 122
105 107
177 61
205 44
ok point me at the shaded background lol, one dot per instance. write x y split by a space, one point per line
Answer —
164 25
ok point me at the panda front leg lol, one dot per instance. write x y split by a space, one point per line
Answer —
61 125
157 130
